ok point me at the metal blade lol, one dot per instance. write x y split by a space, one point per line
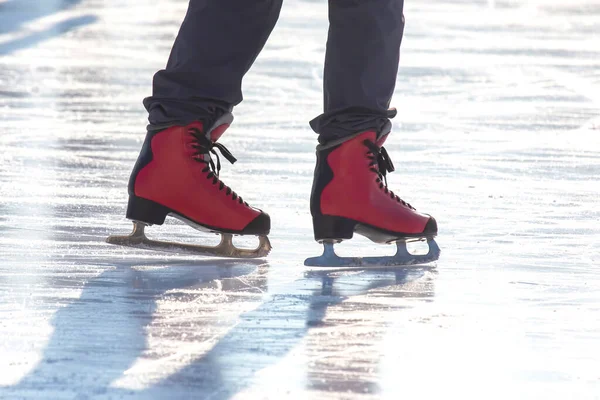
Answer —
402 257
225 248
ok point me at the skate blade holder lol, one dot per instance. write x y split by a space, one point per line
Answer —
138 239
401 258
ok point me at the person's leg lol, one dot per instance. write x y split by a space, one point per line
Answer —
361 63
350 193
190 108
216 45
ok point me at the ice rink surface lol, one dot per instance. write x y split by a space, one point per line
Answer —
498 137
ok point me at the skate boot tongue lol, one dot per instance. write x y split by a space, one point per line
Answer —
202 141
216 133
203 148
379 142
380 158
381 164
391 113
219 127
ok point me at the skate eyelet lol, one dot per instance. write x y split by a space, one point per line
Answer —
381 164
204 147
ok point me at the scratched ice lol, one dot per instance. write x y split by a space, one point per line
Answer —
498 136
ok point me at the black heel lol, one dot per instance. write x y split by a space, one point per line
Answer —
328 227
147 211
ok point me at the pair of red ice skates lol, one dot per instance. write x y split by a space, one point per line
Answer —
175 175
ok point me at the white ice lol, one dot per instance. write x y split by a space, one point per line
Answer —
498 136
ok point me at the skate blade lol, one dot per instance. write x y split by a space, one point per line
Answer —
225 248
401 258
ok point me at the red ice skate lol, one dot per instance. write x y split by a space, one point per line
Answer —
350 194
176 176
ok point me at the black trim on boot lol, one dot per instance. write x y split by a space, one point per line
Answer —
322 177
153 213
334 228
144 158
147 211
431 228
329 227
261 225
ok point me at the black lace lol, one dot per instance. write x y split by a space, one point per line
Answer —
204 147
381 164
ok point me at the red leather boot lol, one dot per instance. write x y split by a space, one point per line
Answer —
350 194
175 175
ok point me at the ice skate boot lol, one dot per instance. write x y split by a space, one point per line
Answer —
176 176
350 194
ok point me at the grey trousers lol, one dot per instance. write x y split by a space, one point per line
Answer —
220 39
